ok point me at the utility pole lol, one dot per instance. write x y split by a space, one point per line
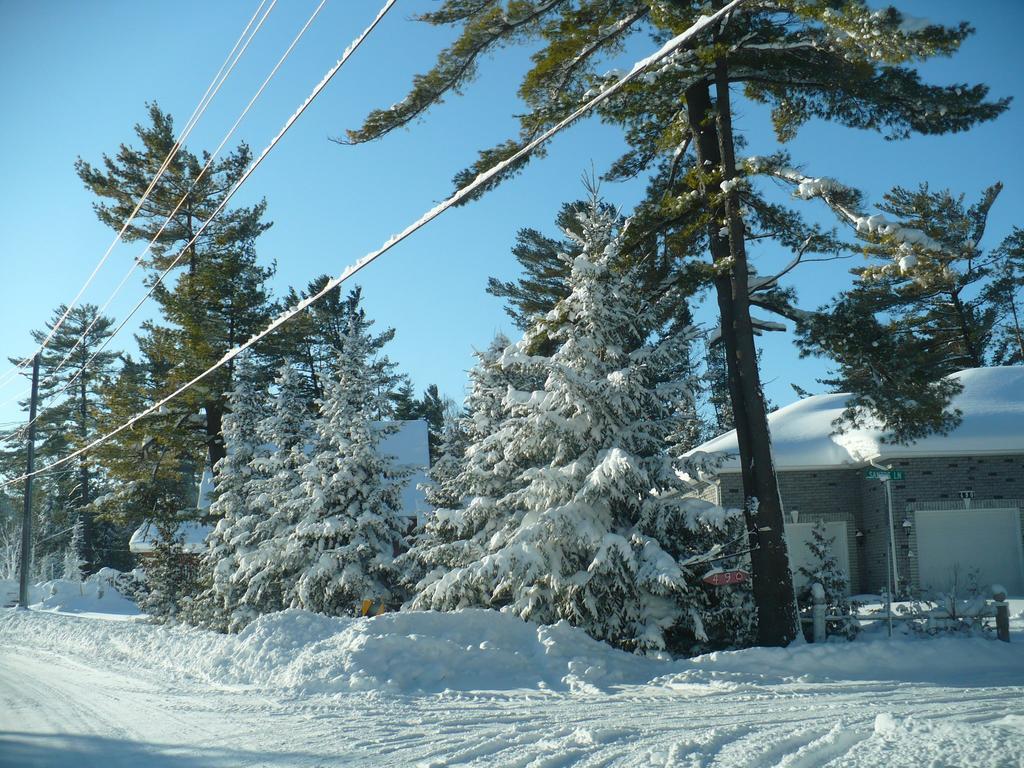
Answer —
26 521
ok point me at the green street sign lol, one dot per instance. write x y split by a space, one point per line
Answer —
884 474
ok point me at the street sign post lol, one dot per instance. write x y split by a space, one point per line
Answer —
884 474
887 476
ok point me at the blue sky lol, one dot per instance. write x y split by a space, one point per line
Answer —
74 78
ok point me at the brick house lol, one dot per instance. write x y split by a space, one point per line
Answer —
957 499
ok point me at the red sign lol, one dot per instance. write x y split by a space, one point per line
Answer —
724 578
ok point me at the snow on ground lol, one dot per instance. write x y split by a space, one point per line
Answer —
479 688
94 596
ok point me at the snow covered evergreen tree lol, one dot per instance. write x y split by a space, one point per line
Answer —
468 511
824 569
342 546
577 511
170 583
261 576
232 506
444 489
74 564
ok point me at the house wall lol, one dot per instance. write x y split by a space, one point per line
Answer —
847 494
831 495
938 480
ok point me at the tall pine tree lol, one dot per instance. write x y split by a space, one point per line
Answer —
215 296
73 369
932 301
840 61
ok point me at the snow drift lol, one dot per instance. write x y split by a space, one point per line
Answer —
482 650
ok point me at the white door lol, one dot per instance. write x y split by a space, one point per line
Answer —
956 545
797 537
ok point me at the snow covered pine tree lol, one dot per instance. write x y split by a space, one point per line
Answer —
232 537
350 528
824 569
465 513
588 523
276 496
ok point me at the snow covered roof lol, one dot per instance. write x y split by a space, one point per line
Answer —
992 402
145 537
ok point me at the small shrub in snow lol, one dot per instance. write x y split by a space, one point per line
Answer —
169 576
824 569
962 609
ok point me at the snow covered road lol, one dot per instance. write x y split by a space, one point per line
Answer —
85 692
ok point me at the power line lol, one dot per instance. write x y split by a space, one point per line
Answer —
190 125
138 259
204 102
639 68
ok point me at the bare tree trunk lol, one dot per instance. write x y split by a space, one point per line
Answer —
214 439
970 347
1016 327
772 580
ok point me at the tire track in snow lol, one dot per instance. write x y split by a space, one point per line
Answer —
705 720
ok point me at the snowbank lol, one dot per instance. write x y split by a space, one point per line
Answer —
479 650
95 594
992 402
415 652
9 591
950 661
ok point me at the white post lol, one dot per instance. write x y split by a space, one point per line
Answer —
1002 612
892 532
818 612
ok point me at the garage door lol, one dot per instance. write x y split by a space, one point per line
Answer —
797 537
952 544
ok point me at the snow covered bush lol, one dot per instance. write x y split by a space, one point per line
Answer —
575 510
131 584
169 576
962 609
